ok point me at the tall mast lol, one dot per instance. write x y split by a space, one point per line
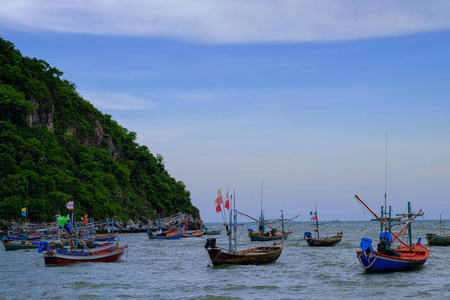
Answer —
385 184
261 219
235 222
317 222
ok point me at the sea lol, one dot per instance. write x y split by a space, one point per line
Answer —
180 269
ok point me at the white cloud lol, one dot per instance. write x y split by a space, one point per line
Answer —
118 101
230 21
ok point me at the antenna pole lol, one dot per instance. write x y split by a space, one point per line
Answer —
385 184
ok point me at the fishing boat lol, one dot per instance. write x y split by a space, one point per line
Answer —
108 255
408 256
321 242
26 237
271 235
438 240
172 234
22 245
105 237
259 255
195 233
166 235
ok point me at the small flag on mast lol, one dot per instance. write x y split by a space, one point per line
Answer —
227 203
219 200
24 211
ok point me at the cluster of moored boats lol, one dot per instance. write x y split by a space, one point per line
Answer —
73 244
386 258
76 244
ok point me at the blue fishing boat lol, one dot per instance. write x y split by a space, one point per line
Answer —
407 257
166 235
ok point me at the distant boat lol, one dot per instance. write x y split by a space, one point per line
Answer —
195 233
404 258
438 240
108 255
26 237
22 245
258 255
273 234
105 237
321 242
166 235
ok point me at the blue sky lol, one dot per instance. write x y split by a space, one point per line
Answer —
299 94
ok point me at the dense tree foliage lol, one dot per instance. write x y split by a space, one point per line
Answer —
57 147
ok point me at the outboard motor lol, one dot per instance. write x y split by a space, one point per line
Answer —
210 243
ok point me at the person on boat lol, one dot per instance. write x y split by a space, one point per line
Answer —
261 228
24 237
385 241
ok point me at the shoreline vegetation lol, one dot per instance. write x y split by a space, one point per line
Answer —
57 148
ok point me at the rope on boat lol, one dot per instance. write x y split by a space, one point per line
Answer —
370 265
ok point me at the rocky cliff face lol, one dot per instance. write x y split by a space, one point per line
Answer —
98 138
41 117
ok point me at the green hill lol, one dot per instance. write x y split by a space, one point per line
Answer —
56 147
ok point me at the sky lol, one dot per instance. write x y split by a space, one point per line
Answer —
288 105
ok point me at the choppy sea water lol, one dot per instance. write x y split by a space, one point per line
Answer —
179 269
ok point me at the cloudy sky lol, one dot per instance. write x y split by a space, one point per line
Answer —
299 95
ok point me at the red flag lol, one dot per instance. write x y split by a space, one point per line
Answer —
227 203
218 208
219 200
85 220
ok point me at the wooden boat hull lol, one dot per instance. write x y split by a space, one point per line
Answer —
437 240
259 255
112 255
169 235
265 238
31 237
405 261
19 246
325 242
197 233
